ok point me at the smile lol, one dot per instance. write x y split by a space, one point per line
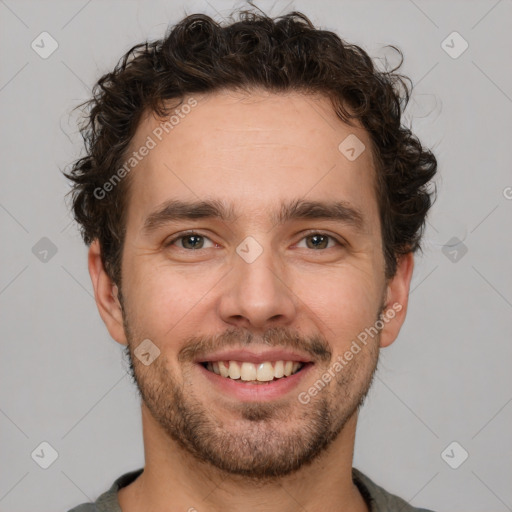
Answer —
263 372
240 380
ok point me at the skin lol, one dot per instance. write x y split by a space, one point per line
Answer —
204 449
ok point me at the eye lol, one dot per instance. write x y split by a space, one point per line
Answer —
320 241
190 241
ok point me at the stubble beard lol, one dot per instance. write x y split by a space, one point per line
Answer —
269 440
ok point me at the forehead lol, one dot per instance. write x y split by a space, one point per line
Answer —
252 150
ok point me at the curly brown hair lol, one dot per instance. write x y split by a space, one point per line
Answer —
287 53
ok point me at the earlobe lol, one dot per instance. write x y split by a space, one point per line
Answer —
106 295
397 295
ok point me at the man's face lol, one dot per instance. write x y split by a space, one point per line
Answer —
308 286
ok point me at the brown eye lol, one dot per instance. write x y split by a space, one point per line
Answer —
190 241
318 241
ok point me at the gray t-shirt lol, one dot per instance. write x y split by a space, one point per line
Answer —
376 497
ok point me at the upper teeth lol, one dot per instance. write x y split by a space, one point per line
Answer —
265 371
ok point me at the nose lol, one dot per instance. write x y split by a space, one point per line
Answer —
256 295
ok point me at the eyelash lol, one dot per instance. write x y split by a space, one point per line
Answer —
195 233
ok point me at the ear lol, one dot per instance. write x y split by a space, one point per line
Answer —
397 299
105 294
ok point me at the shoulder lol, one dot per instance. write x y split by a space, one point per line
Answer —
379 499
108 502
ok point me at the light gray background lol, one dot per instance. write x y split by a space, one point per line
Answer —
447 377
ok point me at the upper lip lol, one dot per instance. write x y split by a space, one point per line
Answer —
255 356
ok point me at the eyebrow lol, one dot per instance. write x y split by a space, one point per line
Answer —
299 209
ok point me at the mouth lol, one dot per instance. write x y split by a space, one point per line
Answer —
262 373
262 381
259 374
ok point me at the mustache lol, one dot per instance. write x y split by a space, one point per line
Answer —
199 346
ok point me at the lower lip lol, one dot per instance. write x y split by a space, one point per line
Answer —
256 392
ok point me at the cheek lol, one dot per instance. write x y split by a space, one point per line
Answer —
161 297
344 301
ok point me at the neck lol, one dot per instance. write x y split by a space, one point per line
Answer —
172 476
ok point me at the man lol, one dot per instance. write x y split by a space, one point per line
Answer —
252 205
